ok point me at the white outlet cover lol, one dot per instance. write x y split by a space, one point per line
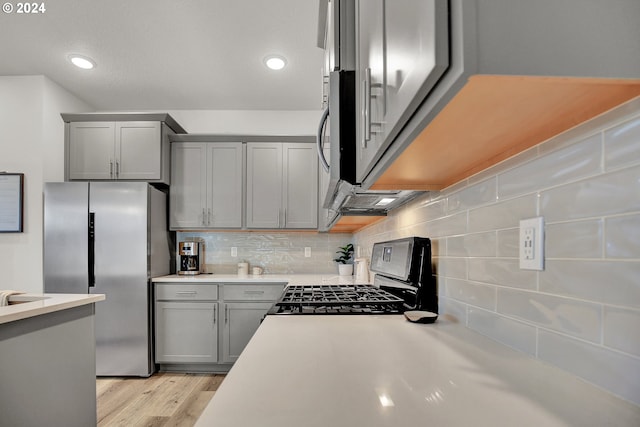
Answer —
531 246
307 252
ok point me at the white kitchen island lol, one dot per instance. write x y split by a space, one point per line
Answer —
384 371
47 360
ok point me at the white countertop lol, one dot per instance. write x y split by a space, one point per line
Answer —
384 371
31 305
291 279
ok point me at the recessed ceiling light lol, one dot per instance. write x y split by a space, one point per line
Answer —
82 62
275 62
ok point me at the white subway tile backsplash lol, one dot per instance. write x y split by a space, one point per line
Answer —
623 237
513 333
279 253
607 282
508 243
582 239
476 294
455 268
622 329
476 195
455 310
477 244
608 369
447 226
577 318
609 194
566 165
622 145
501 271
585 305
505 214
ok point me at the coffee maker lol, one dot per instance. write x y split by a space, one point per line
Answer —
191 260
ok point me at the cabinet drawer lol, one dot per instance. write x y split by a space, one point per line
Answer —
252 292
191 292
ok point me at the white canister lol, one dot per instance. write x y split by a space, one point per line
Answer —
243 268
362 270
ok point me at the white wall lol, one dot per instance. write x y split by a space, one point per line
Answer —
32 143
250 122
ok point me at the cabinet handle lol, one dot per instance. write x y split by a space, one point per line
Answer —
209 217
226 313
253 292
204 217
367 104
110 168
284 215
117 169
214 313
186 292
279 213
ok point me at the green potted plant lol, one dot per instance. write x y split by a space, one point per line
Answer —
345 266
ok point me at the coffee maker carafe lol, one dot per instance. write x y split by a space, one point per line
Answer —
190 258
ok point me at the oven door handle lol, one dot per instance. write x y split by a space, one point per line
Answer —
319 139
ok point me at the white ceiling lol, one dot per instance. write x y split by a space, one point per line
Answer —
171 54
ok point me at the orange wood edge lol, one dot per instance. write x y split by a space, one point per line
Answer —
493 118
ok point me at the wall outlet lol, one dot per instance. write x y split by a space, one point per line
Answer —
532 244
307 252
234 251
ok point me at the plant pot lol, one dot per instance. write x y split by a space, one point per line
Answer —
345 269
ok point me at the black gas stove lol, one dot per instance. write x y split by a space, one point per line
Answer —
403 282
337 299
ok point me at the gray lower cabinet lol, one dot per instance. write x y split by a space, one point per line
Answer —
188 332
241 322
244 307
186 327
205 326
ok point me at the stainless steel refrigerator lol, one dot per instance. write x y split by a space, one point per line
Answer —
109 238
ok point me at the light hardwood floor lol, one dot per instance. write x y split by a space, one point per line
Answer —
164 399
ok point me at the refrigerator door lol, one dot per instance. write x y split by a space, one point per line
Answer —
66 224
121 272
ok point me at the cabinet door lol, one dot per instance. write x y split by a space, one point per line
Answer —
188 196
91 150
416 29
138 150
224 185
186 332
371 85
241 321
300 191
264 185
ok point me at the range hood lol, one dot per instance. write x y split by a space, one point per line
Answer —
352 200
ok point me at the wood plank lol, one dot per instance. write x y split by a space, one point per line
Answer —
349 224
164 399
495 117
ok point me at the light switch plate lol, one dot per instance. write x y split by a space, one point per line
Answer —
532 244
307 252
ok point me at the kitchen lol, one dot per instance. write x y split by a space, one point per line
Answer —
586 194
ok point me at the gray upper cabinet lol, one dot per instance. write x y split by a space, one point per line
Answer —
206 189
402 52
113 150
282 185
126 146
370 88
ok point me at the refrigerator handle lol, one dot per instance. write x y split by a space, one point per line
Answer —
91 249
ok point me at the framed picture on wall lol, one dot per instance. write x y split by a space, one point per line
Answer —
11 202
